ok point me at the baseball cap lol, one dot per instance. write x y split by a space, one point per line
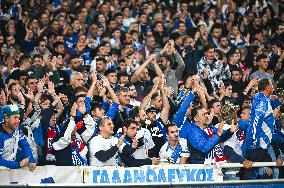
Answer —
151 108
9 110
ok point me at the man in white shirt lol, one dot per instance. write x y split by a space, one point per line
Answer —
175 150
104 148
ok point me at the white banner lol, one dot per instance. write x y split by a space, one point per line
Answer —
177 174
42 174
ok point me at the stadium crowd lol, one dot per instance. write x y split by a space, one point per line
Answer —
137 82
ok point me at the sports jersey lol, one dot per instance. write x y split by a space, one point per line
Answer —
173 155
9 144
159 136
261 123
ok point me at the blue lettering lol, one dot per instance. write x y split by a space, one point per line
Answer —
209 173
171 175
127 177
190 174
104 177
139 177
96 173
181 174
151 172
162 176
116 177
201 172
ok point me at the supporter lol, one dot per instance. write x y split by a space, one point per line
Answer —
24 67
166 64
60 52
224 44
133 96
203 145
69 145
175 149
104 148
143 134
226 92
40 48
141 78
234 147
218 70
262 62
216 33
130 129
8 131
215 106
261 115
156 124
237 81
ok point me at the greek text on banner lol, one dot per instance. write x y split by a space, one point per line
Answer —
151 174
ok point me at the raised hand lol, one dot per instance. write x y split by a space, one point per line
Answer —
151 57
51 89
134 143
247 164
120 141
189 82
247 38
40 86
105 81
165 47
220 128
53 63
46 59
73 109
205 74
20 96
30 94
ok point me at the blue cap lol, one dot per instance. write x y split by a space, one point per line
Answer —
9 110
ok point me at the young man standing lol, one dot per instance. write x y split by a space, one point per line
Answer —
175 150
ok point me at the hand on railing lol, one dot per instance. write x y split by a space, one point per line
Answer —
247 164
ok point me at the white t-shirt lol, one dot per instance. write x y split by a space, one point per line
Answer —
167 151
99 143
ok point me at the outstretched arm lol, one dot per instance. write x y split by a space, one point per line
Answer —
90 93
135 75
147 99
166 106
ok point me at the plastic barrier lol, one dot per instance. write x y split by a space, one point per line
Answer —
190 174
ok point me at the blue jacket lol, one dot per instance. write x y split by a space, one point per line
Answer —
8 148
180 118
261 123
200 144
